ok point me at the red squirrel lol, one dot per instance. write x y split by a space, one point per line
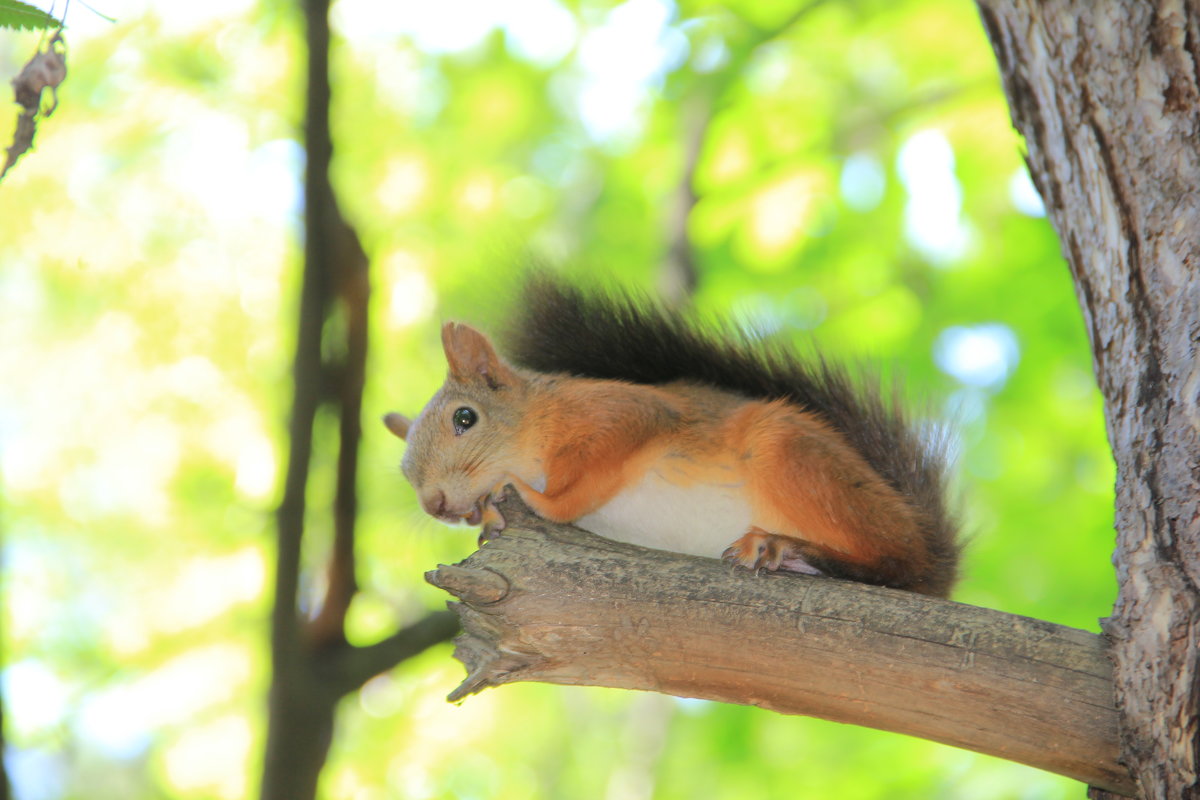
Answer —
635 423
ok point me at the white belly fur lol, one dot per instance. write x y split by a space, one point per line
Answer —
700 519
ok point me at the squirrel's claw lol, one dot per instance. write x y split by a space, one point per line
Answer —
758 550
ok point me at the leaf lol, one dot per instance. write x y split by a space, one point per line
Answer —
22 16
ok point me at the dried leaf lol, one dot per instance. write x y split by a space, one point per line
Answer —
46 70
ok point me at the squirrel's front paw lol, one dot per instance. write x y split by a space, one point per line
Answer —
493 521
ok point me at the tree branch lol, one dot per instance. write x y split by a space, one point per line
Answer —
679 276
352 269
548 602
298 728
355 666
312 665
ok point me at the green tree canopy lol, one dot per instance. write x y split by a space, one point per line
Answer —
850 178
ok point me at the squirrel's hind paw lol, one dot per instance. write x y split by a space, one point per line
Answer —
758 549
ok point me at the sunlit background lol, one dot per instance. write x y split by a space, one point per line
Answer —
857 182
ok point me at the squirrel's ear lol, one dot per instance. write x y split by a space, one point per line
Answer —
397 424
471 356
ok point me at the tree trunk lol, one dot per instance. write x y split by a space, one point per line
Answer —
313 666
551 603
1107 96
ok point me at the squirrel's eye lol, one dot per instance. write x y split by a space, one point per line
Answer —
464 418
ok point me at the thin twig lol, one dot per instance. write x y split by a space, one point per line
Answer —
355 666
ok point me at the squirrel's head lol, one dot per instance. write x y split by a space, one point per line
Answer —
464 442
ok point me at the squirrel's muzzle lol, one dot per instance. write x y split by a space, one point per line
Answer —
434 504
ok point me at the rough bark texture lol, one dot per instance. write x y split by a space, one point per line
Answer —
1107 96
551 603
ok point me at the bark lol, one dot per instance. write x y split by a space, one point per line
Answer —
551 603
1107 96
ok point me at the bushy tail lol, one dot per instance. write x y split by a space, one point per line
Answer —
560 328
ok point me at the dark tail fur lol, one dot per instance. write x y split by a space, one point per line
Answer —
560 328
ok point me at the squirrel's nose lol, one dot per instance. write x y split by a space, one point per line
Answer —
434 504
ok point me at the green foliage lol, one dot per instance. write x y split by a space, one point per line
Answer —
23 17
150 271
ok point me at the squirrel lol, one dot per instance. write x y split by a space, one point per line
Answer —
634 422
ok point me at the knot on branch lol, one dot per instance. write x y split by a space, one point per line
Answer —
476 587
